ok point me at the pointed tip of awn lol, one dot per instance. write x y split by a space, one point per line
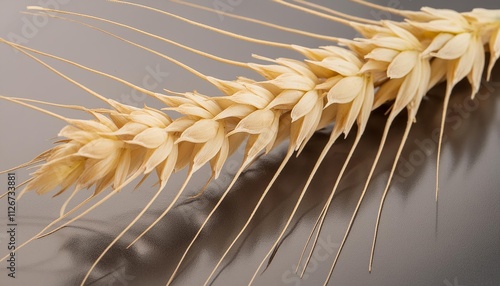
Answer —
260 95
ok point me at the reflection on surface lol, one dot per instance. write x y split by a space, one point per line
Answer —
416 246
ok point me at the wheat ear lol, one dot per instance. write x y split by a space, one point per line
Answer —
400 60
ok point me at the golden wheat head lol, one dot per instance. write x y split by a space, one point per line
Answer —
395 62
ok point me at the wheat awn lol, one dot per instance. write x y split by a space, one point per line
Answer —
396 61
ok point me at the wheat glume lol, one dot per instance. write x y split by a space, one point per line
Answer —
340 84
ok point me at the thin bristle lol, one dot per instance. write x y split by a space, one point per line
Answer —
213 29
264 23
188 68
196 51
324 212
379 7
17 47
254 211
280 236
313 12
41 233
4 195
337 13
441 134
388 184
20 102
313 230
165 212
138 88
172 276
98 203
377 156
120 235
62 211
395 62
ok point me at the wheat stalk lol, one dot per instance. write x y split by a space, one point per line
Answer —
395 62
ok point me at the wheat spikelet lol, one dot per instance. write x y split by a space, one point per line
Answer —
396 62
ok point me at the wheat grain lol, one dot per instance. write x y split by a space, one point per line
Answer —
396 62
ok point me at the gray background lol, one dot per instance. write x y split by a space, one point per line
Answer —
457 243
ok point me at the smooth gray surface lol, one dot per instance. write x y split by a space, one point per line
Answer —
454 243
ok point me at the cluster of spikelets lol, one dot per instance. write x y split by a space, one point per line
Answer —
333 85
395 62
